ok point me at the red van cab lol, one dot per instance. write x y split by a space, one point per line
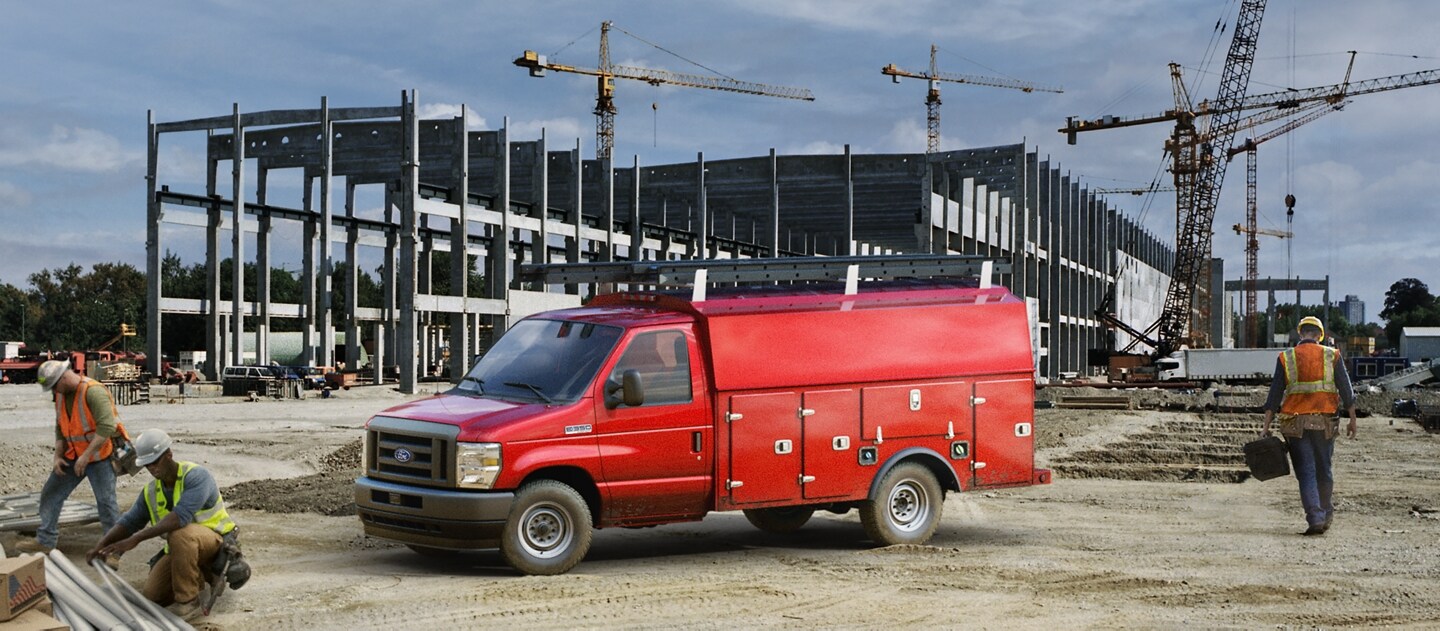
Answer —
645 408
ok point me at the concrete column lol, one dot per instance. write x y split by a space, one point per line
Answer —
637 230
391 275
944 247
309 279
849 235
325 320
574 244
352 281
262 272
154 257
607 206
237 242
378 361
215 358
541 191
409 193
1269 319
500 272
702 231
773 235
460 331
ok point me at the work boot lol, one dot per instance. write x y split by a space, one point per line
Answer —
1317 529
33 545
187 611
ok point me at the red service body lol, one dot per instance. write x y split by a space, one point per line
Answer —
650 408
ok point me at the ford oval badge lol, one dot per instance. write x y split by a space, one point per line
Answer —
403 455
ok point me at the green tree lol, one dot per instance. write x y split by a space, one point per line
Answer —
81 310
16 313
1406 295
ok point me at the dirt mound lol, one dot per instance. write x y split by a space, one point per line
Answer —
330 492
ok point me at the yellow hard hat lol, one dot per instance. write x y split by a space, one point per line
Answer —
1312 321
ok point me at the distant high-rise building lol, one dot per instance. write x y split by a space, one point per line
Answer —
1353 308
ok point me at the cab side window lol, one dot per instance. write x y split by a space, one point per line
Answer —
663 359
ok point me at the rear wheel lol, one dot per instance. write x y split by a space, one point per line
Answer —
906 508
783 520
548 530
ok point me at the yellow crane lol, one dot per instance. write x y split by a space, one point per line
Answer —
932 99
606 74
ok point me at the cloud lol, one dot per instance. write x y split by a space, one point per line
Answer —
65 148
435 111
818 147
12 196
559 132
908 135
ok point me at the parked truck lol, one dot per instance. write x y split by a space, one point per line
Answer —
1223 365
653 407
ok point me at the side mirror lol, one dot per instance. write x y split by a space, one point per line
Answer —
627 391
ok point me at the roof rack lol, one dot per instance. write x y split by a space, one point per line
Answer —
699 273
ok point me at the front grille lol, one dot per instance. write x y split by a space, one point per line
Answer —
411 452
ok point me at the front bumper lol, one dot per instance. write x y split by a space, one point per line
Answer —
435 518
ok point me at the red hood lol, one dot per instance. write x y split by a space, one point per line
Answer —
487 419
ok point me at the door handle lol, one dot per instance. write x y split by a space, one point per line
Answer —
696 442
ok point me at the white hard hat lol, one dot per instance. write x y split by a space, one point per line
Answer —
49 374
150 445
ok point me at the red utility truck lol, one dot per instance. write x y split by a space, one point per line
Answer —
645 408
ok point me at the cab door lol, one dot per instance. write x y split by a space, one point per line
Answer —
656 457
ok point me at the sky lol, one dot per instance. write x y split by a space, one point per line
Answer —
79 77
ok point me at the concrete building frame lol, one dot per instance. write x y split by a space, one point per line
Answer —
442 184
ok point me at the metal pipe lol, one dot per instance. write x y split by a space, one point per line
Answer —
68 592
66 615
92 590
167 619
108 584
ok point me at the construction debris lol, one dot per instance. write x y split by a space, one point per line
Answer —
1096 403
22 512
110 604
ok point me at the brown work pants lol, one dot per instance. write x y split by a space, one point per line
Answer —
179 576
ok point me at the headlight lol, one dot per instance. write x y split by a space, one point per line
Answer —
477 465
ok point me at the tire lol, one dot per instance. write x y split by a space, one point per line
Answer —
906 508
548 530
783 520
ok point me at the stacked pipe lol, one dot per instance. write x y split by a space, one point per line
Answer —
111 606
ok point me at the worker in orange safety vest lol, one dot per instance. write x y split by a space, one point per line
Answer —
1309 386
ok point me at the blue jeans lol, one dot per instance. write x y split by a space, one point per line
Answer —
1310 455
57 490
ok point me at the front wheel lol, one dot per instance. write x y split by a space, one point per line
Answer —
906 508
783 520
548 530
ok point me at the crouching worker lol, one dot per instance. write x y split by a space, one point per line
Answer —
182 505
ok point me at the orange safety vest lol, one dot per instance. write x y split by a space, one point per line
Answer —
77 424
1309 380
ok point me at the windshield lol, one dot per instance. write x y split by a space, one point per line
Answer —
545 360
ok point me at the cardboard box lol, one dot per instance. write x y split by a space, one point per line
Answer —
24 581
35 620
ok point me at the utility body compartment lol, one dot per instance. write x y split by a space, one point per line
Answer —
646 408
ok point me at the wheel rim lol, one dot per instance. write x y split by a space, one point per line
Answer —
909 506
545 530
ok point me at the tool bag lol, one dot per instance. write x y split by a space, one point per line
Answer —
1266 458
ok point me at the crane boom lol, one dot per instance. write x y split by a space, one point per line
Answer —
606 74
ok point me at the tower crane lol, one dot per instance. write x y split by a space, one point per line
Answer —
932 98
1198 174
1251 230
606 74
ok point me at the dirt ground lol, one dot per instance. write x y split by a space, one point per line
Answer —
1151 522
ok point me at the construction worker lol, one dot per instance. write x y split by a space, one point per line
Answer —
85 423
1310 384
183 506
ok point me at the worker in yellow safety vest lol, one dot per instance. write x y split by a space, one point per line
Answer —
86 422
183 506
1309 386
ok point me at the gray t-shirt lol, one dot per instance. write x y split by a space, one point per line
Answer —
200 493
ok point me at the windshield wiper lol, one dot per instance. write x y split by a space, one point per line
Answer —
533 388
479 385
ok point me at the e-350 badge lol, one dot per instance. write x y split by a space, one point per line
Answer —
578 429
